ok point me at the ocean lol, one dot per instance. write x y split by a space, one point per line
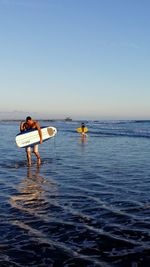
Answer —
88 204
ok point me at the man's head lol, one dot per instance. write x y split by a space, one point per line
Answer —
29 120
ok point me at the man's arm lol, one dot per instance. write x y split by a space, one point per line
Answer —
39 131
22 126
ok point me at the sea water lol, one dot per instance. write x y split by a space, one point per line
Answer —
88 204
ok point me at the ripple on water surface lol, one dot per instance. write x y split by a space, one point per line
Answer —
77 208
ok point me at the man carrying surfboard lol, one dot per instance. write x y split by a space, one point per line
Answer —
29 124
83 129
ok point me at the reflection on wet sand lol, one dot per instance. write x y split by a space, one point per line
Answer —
31 196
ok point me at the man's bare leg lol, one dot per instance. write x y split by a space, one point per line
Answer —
29 158
37 154
38 157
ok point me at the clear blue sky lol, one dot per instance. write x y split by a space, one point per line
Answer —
78 58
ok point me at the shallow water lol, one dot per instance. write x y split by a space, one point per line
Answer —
88 204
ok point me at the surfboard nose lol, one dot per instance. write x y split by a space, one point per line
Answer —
51 131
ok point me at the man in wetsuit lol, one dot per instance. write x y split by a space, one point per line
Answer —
27 125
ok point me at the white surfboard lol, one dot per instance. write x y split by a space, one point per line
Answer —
31 137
